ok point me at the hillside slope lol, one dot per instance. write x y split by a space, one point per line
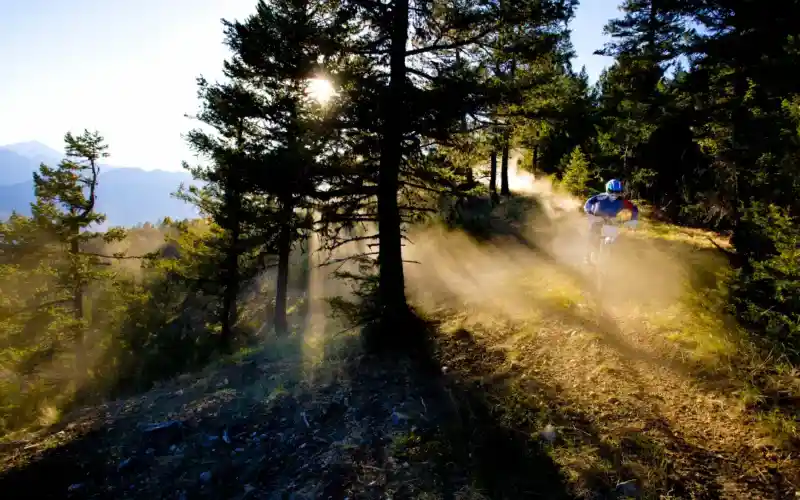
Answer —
535 388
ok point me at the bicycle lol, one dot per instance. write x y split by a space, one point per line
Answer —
600 256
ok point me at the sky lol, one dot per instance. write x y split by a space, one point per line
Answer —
128 69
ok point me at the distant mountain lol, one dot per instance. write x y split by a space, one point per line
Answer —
36 152
127 196
15 168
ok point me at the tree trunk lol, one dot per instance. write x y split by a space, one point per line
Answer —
391 284
231 289
77 305
504 189
282 286
77 292
493 173
469 174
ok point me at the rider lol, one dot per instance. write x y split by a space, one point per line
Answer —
608 205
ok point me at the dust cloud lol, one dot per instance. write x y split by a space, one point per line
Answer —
536 264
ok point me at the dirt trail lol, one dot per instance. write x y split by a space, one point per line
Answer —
620 375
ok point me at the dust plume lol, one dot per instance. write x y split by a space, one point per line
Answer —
533 266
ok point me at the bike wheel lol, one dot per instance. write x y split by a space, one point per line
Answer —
601 266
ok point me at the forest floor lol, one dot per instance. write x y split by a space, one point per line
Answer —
535 387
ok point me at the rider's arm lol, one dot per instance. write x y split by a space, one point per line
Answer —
589 206
627 204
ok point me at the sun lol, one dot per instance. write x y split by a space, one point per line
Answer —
320 89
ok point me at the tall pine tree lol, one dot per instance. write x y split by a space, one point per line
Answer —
269 165
65 207
418 68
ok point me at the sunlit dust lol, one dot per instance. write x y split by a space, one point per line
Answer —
321 90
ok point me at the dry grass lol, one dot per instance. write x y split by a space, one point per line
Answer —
651 382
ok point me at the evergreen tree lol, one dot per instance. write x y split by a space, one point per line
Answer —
225 196
577 174
270 141
65 210
421 102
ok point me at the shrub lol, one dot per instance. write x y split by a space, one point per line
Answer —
766 288
577 175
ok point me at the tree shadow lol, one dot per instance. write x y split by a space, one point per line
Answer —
385 425
448 422
461 443
499 452
651 459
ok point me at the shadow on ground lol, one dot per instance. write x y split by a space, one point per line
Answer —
461 421
611 450
264 428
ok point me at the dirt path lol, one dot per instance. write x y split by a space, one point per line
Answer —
620 419
631 381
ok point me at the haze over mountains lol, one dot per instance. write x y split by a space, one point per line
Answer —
127 196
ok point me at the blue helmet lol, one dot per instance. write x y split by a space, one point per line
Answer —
614 186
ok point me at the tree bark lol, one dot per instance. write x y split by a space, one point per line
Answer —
391 284
493 173
281 322
233 202
77 305
504 189
231 287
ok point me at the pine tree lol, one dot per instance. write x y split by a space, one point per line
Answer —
271 137
224 195
577 174
65 209
420 103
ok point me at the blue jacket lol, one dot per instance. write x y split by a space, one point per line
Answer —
602 205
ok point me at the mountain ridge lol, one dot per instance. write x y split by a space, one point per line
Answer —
127 195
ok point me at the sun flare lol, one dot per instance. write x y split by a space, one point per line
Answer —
320 89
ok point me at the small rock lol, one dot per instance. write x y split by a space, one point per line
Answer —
124 464
75 487
628 488
171 424
164 433
205 477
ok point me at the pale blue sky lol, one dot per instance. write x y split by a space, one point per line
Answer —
128 69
